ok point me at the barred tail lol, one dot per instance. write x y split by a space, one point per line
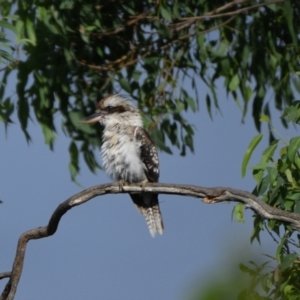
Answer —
148 206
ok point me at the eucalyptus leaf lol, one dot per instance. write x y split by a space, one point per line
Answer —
287 261
253 144
293 148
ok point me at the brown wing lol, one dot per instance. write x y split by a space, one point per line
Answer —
147 203
148 154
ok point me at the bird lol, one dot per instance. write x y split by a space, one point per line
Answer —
129 154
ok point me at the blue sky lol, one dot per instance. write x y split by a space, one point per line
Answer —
103 249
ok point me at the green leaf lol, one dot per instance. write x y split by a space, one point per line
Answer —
293 148
291 114
5 24
49 135
238 212
163 30
258 225
73 172
288 205
248 93
90 160
253 144
279 251
125 84
268 153
288 289
222 49
272 173
128 9
246 269
208 105
76 117
272 224
289 14
258 176
294 196
73 166
30 31
287 261
23 113
234 83
264 118
290 178
297 206
262 188
192 104
166 14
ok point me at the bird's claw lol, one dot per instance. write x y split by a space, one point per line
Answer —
143 184
121 184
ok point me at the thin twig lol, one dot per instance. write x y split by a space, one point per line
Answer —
5 275
182 24
10 66
270 233
113 66
215 15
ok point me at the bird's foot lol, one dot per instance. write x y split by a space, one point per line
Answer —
121 184
143 184
210 200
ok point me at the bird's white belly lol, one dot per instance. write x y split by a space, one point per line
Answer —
121 158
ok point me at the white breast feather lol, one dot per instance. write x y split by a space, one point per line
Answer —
121 157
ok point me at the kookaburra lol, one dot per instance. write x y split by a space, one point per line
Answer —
128 153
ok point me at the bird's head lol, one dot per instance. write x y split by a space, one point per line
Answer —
115 109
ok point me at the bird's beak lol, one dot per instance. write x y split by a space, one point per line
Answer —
96 117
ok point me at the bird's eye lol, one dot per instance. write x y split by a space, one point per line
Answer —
109 108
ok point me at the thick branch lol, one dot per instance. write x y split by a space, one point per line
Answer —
209 195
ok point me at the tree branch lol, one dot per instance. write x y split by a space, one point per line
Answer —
136 53
4 275
216 13
209 195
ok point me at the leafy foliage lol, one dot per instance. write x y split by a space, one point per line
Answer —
69 54
277 178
